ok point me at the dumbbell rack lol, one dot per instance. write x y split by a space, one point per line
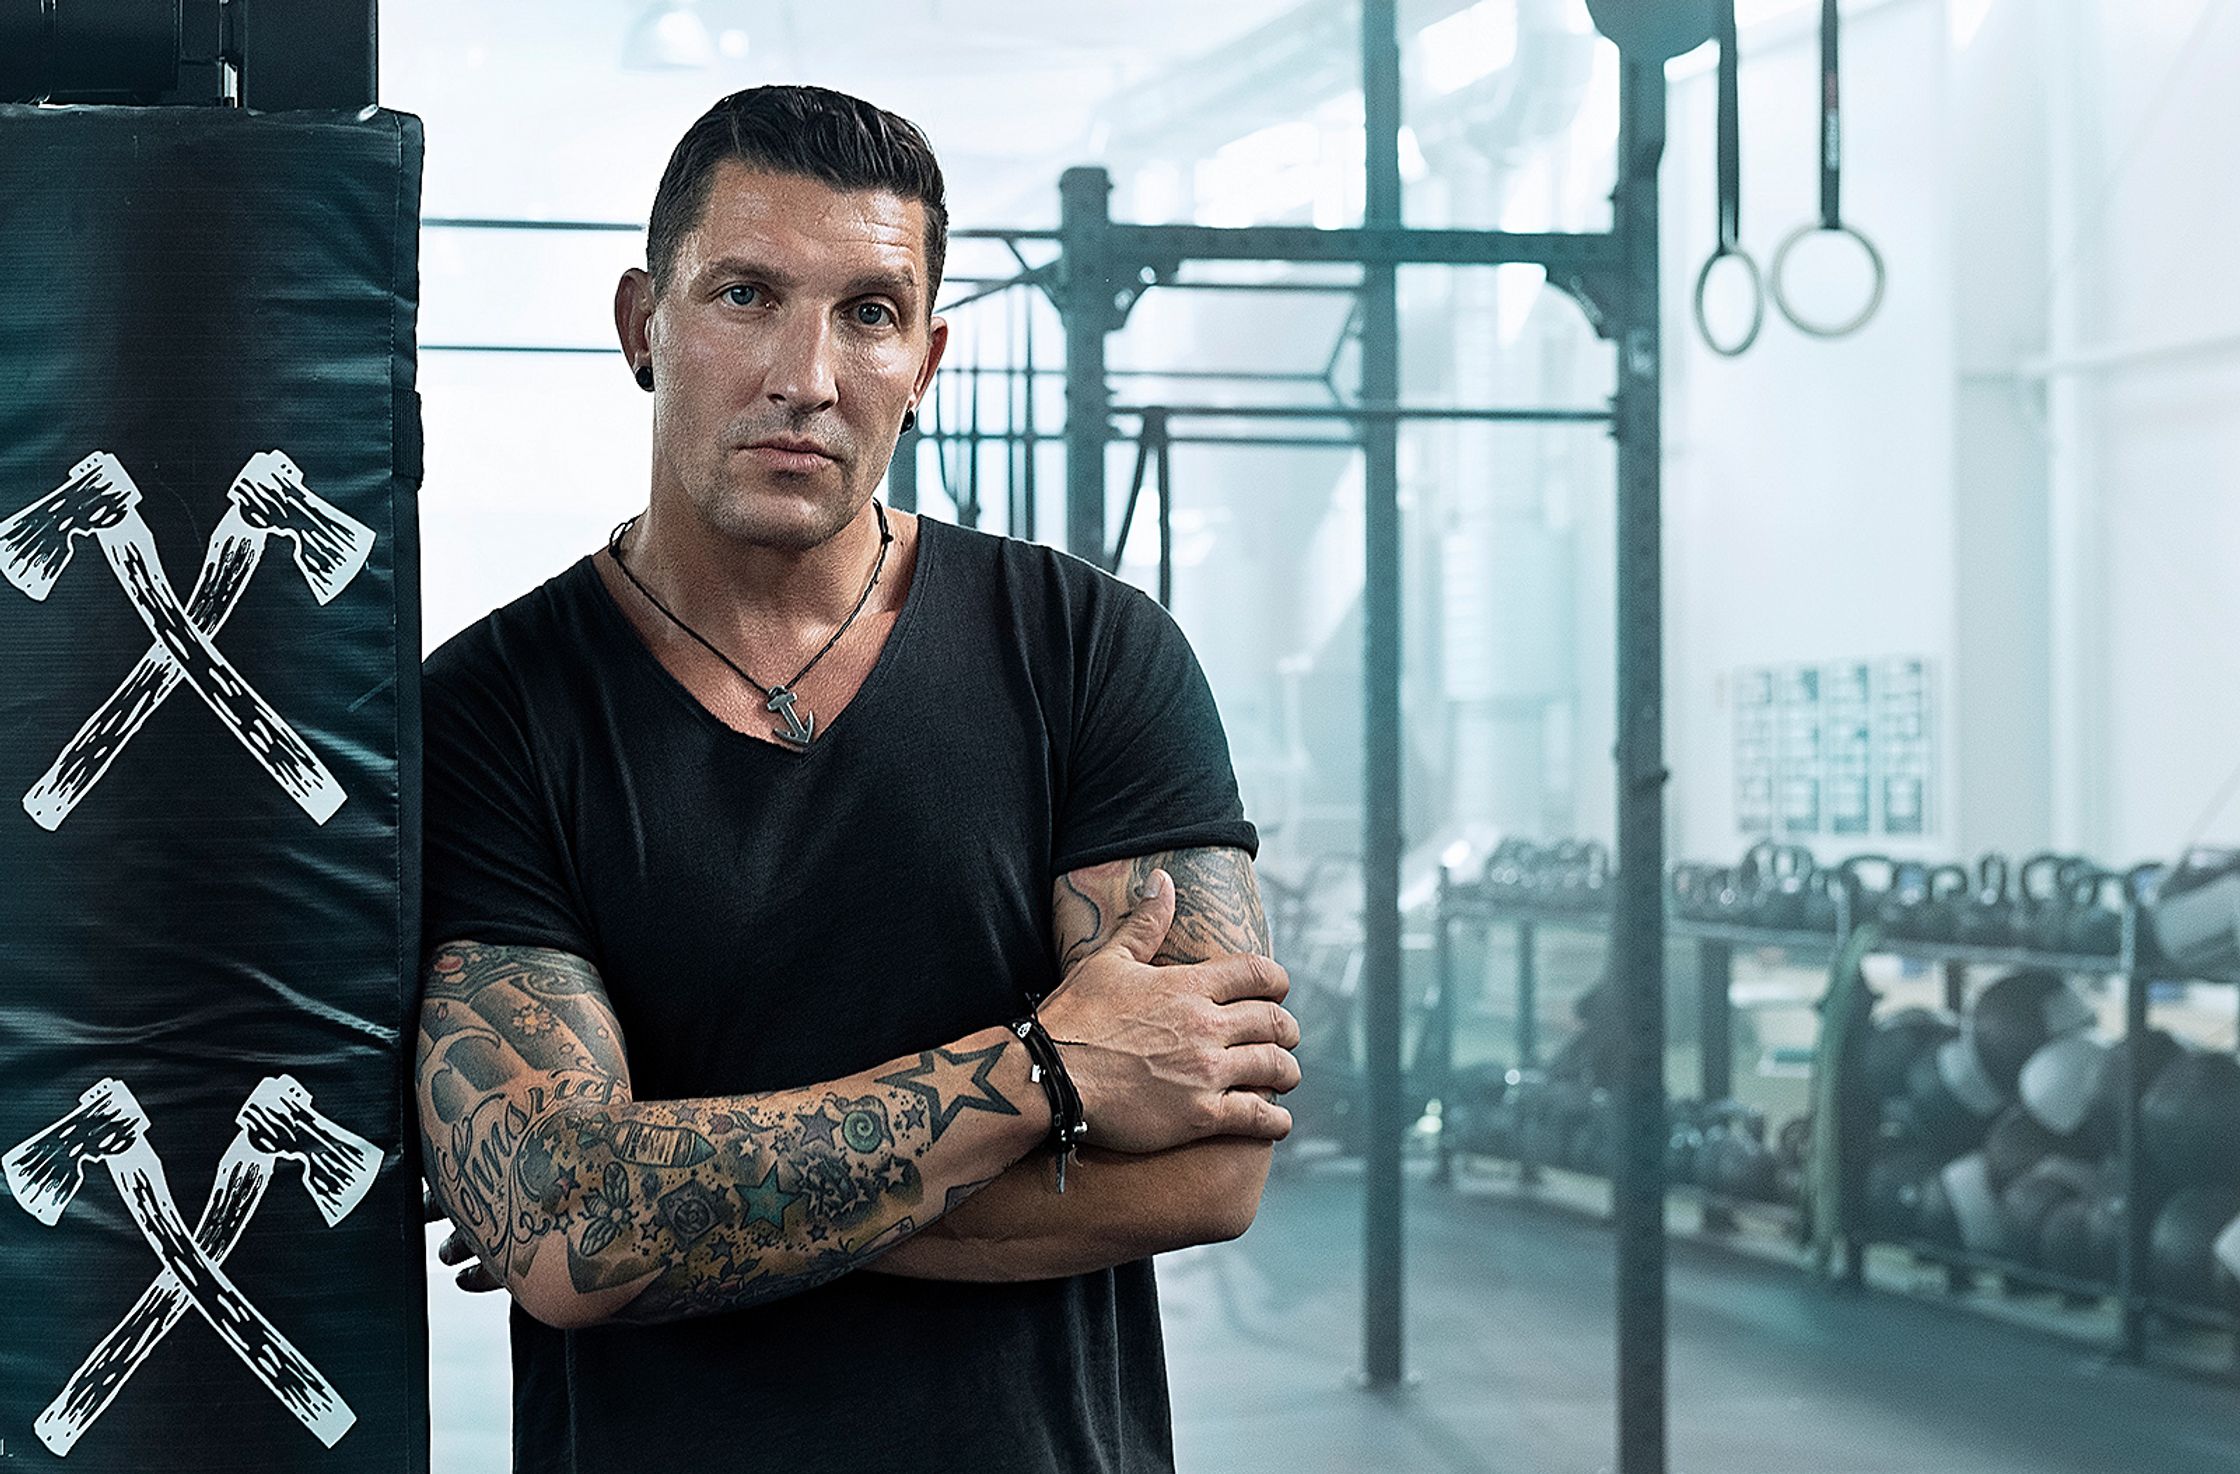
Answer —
1469 903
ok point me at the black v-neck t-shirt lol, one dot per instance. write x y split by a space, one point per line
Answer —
766 918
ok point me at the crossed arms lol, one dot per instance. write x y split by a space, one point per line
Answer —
594 1207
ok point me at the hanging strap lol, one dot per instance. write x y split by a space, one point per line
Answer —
1730 128
1831 116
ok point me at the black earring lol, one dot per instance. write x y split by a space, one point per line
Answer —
909 420
645 377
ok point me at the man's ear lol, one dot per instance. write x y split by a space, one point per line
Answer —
937 343
633 315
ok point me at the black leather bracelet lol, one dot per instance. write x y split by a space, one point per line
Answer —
1048 1069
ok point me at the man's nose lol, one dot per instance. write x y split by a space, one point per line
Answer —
800 374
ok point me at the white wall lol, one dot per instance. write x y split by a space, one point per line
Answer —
2152 239
1809 485
2024 468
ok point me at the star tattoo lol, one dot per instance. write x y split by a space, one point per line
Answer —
766 1201
950 1082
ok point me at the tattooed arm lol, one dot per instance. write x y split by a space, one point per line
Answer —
1118 1208
592 1206
596 1207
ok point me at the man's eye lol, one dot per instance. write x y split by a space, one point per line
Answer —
874 314
738 296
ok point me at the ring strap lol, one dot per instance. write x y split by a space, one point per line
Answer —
1831 116
1730 126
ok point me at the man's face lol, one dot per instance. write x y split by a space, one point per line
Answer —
790 341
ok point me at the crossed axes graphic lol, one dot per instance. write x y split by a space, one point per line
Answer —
108 1126
99 500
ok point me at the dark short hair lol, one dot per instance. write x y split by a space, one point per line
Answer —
812 132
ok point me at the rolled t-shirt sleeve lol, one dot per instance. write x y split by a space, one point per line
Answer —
1148 766
492 867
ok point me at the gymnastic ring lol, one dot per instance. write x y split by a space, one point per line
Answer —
1758 302
1850 325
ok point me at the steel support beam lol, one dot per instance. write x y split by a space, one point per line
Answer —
1639 937
1085 299
1386 244
1382 1349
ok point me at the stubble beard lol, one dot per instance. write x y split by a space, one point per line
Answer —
785 514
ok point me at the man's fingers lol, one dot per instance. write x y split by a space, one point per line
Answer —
1244 1114
476 1279
1262 1067
1258 1021
1232 979
1150 913
455 1249
430 1210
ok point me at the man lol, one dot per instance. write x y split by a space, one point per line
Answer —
750 835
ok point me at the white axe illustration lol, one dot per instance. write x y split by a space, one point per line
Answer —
267 498
277 1121
109 1127
100 500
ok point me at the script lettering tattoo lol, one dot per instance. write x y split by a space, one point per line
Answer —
532 1136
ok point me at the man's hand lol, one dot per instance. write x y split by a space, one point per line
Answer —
455 1250
1165 1055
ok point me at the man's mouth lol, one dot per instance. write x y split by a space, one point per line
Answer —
791 453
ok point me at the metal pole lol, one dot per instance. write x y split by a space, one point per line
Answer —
1528 996
1715 1019
2132 1250
1085 298
902 473
1165 467
1381 1308
1441 1066
1640 1181
1715 1044
1026 460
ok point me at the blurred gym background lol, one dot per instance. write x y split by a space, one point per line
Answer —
1950 681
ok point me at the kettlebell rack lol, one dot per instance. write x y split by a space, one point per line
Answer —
1579 901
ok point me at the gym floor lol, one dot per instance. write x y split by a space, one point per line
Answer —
1510 1336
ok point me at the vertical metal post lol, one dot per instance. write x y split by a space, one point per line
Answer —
1639 1184
1441 1065
968 511
902 473
1715 1034
1528 1023
1085 300
1164 449
1027 448
1011 514
2133 1247
1714 1018
1528 996
1381 1331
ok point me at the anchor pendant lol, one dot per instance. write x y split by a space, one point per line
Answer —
799 729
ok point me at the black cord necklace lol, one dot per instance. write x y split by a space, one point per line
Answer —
800 728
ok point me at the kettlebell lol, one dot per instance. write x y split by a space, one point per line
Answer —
2095 928
1868 878
1905 902
2043 920
1988 919
1951 891
1781 903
